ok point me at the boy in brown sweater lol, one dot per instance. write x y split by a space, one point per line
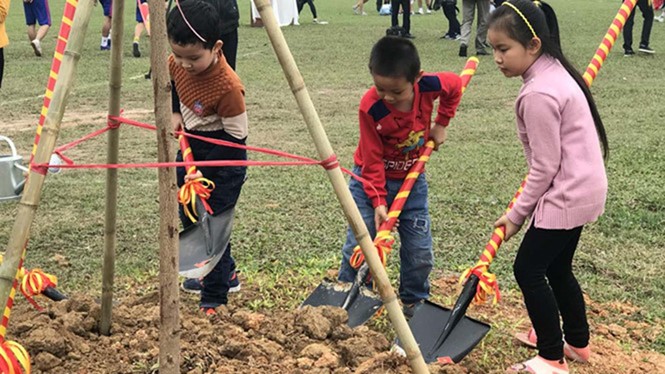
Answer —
208 100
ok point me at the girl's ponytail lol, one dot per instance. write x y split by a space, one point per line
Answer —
553 48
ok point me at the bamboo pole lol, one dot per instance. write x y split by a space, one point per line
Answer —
27 207
169 331
356 222
110 227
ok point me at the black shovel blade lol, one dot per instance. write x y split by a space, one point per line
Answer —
427 324
361 309
54 294
203 243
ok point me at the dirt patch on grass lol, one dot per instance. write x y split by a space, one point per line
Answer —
73 118
65 339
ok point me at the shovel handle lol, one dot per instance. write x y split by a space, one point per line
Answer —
499 233
187 156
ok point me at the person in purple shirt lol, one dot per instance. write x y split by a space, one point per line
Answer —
561 133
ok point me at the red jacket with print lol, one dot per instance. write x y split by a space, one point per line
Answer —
390 140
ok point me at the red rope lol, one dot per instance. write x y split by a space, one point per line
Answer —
114 121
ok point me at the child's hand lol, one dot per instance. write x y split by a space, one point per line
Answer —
511 228
196 175
380 215
438 134
176 122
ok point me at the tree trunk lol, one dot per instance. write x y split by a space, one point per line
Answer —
169 332
115 84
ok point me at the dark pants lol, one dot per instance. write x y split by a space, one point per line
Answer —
228 183
2 64
230 47
301 4
406 13
451 14
647 14
547 256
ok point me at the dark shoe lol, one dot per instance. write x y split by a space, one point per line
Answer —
462 50
628 52
408 36
234 282
645 49
410 309
135 50
482 52
148 75
192 285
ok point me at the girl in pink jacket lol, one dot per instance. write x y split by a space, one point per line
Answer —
561 132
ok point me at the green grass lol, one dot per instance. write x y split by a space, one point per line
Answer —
289 224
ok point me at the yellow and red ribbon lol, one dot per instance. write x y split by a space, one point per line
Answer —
192 188
14 359
34 282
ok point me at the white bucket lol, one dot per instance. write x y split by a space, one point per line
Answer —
11 172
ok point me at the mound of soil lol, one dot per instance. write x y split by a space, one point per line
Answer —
65 339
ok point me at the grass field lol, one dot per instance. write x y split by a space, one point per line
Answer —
289 226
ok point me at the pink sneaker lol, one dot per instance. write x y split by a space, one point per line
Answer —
572 353
539 365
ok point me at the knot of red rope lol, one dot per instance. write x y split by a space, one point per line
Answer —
331 162
113 122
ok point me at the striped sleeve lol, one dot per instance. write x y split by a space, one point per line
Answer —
232 111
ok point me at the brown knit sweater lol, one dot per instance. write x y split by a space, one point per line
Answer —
213 100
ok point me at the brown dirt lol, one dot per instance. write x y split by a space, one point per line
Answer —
64 339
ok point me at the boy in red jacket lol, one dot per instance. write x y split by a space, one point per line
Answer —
395 122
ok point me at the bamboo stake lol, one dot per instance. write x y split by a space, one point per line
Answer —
356 222
169 331
27 207
110 227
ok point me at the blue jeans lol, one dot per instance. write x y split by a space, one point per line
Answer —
228 183
416 256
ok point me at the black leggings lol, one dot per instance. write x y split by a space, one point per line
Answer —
2 64
549 254
301 4
406 13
